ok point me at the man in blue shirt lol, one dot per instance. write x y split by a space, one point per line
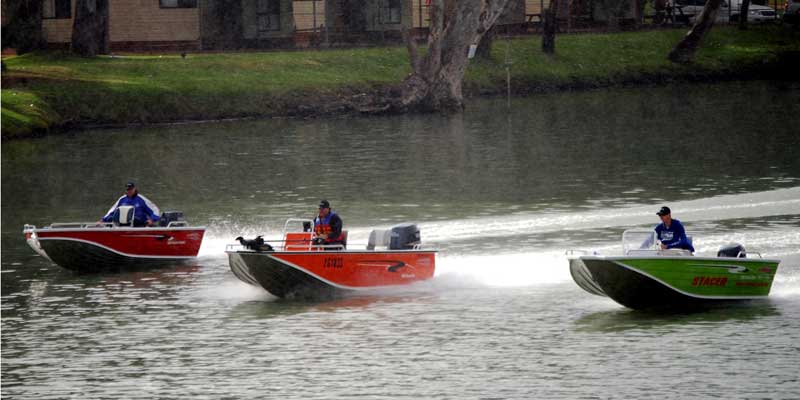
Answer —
145 212
671 232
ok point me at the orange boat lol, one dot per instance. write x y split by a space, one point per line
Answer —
298 268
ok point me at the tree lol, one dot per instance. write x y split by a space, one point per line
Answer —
90 28
743 12
550 25
223 24
23 31
684 51
436 77
484 50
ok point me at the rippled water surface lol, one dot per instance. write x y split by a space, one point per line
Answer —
501 194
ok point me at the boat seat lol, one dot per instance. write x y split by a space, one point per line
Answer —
297 241
123 216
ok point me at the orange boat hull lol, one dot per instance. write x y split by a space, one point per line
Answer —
327 274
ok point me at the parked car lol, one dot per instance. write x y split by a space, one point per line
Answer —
791 13
729 11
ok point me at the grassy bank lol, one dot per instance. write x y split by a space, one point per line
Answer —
55 90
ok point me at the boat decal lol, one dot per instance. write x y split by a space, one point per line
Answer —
710 281
112 250
734 269
158 237
679 290
391 265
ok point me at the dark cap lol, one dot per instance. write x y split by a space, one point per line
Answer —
130 184
664 211
324 204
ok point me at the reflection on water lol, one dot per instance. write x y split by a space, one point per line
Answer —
621 319
501 194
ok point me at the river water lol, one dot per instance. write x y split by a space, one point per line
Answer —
502 193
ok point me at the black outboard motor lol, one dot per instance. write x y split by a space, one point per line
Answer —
404 237
732 250
170 216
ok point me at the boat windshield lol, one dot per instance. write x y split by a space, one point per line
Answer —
638 240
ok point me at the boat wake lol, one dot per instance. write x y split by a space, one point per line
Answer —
487 251
719 208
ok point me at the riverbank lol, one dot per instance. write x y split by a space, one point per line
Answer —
52 91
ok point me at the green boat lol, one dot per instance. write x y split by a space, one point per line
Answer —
646 277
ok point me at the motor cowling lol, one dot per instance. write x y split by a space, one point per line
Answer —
404 237
170 216
732 250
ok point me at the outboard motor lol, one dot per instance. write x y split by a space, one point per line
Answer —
123 216
404 237
732 250
170 216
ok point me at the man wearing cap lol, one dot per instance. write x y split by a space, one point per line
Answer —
328 225
145 212
671 232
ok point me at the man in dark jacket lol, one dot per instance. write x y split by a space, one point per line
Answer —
671 232
328 225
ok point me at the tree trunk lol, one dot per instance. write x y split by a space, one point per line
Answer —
683 52
435 83
23 32
90 28
484 50
550 25
745 9
229 17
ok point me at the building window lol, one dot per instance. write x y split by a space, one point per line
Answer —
269 15
178 3
57 9
390 11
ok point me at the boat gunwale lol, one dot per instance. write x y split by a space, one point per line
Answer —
687 257
116 229
328 252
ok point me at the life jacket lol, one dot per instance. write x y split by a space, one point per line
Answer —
323 226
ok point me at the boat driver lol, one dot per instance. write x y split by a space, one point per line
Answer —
145 212
671 232
328 226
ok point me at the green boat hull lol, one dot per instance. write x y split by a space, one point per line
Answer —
661 282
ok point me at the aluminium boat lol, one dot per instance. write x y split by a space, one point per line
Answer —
93 247
647 277
299 268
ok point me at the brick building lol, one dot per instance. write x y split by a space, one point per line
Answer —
225 24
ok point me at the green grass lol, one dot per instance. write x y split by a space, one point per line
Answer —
24 112
608 59
54 89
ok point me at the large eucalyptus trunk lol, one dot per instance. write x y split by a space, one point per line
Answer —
436 81
684 51
745 9
549 28
90 28
23 30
